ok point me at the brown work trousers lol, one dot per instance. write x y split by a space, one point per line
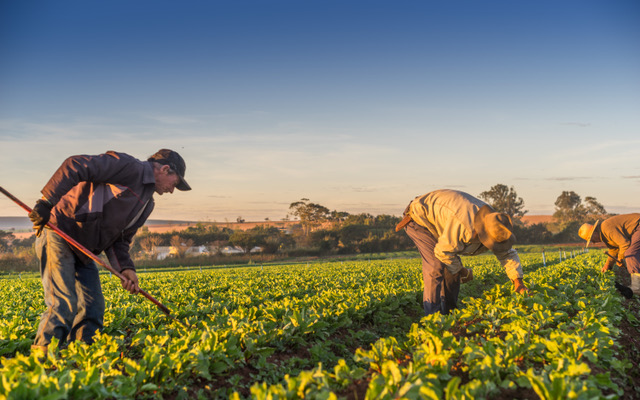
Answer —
441 287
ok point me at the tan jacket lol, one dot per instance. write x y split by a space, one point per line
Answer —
615 233
448 215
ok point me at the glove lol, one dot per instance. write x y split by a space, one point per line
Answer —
519 286
466 275
40 215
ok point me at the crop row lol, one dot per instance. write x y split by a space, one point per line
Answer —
247 325
557 343
324 330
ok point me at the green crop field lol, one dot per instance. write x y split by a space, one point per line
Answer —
332 330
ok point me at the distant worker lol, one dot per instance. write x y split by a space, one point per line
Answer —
621 235
100 201
446 224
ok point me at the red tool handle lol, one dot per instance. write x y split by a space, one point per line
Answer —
90 254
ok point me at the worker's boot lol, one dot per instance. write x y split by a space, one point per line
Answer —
635 283
432 308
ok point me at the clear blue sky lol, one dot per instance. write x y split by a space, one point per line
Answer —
358 106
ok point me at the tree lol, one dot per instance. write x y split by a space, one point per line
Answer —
271 239
594 209
532 234
569 208
352 234
505 200
5 239
337 217
247 240
387 221
204 234
181 246
360 219
311 215
149 244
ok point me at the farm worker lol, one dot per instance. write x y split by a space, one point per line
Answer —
446 224
100 201
621 235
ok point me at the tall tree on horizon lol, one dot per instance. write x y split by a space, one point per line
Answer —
570 208
311 215
594 209
504 199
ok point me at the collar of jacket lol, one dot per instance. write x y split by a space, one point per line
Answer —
148 177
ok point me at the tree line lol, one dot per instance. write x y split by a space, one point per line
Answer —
319 231
570 212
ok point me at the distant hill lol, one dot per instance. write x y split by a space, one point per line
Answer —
536 219
23 223
15 223
152 222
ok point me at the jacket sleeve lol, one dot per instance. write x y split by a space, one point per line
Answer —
610 260
613 253
620 241
624 246
118 253
511 263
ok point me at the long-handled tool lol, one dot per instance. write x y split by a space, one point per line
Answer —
95 258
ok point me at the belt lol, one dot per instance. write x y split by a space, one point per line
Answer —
404 222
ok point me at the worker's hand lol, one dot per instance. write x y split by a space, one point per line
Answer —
519 287
40 215
608 264
130 283
466 275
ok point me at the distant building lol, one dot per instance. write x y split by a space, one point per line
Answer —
162 252
238 250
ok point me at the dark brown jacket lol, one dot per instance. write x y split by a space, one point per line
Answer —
96 198
615 233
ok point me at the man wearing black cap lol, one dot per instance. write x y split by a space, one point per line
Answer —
100 201
445 224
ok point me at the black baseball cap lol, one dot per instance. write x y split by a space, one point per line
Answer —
175 162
